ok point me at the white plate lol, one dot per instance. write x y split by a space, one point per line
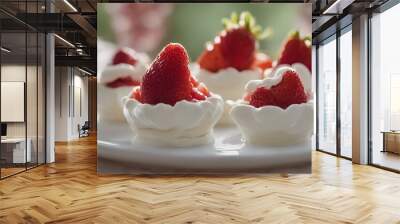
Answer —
117 153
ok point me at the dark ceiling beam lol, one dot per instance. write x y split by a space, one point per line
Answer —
84 24
91 5
49 22
78 61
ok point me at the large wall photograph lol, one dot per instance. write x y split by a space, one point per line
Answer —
183 93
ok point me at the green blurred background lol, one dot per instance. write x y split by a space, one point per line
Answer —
193 24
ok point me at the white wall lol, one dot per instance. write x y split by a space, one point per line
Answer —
69 82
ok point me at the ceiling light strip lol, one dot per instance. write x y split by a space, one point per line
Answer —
70 5
5 50
328 10
64 40
84 71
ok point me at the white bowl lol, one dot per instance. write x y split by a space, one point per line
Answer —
271 125
185 124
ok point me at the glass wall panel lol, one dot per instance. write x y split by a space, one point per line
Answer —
327 96
31 97
14 151
41 78
385 89
22 89
346 94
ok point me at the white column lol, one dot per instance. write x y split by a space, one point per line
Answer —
360 89
50 92
50 99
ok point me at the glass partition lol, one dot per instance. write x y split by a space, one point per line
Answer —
327 96
22 88
13 105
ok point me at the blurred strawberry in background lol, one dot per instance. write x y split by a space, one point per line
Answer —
139 26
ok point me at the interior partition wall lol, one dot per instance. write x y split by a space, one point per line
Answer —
23 88
334 93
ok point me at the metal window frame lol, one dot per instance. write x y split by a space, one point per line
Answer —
387 5
381 9
339 32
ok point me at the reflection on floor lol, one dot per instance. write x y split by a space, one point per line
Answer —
10 169
70 191
386 159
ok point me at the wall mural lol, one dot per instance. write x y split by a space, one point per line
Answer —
182 93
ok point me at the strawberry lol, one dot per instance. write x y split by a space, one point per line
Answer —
262 97
235 46
200 92
123 56
168 80
124 81
136 94
289 91
238 47
296 50
212 59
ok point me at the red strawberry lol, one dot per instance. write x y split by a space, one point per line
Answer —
235 46
289 91
136 94
125 81
212 59
238 47
124 57
203 89
168 78
296 50
200 92
194 81
262 97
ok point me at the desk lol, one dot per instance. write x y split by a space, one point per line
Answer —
391 141
16 148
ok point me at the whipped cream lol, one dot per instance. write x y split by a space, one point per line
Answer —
110 99
275 77
110 107
184 124
228 82
136 72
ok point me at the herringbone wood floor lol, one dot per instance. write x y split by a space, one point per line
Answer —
70 191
